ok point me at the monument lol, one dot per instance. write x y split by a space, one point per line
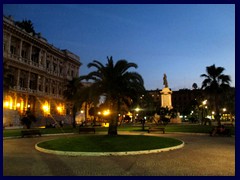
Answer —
166 94
166 99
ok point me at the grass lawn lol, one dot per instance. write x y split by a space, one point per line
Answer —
169 128
104 143
17 132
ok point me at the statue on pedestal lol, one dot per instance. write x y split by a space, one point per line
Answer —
165 83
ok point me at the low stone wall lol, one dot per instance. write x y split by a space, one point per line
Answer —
175 120
11 118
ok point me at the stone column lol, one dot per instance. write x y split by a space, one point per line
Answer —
15 101
57 86
50 86
37 82
44 59
18 77
39 57
43 83
9 44
20 50
28 79
58 64
26 103
30 54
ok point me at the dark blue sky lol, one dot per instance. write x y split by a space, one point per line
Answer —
179 40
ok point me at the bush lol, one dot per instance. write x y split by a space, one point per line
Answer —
28 119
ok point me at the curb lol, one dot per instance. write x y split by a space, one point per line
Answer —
70 153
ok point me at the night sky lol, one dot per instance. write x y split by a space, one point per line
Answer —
179 40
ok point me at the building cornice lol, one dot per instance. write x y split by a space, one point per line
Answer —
10 27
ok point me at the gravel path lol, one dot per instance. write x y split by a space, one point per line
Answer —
201 156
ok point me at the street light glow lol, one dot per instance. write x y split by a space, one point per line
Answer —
204 102
45 108
137 109
106 112
6 104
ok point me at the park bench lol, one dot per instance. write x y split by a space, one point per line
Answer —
97 125
228 124
156 129
86 129
30 132
226 132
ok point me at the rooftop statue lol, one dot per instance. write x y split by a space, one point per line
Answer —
165 83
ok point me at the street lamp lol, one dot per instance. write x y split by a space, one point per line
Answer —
137 109
223 115
212 115
203 104
106 112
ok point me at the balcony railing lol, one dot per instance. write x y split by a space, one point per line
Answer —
35 92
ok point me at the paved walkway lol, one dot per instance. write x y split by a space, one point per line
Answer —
201 156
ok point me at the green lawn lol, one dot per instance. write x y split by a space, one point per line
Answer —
104 143
169 128
17 132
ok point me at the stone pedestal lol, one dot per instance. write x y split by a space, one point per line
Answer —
166 98
176 120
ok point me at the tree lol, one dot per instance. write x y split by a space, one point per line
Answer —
28 119
194 86
117 84
72 94
27 25
215 83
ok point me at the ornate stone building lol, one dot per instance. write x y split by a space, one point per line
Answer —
38 72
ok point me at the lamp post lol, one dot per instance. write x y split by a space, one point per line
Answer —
203 104
135 114
223 115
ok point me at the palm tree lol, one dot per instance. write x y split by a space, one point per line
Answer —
72 94
215 84
117 84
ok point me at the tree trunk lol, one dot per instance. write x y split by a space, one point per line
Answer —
143 125
86 111
113 123
217 116
28 126
112 129
74 110
122 118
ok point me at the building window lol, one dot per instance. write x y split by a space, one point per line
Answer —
35 57
46 89
48 64
21 82
40 87
32 85
54 67
11 80
24 53
13 49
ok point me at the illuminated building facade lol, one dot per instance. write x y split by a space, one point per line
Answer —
38 72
